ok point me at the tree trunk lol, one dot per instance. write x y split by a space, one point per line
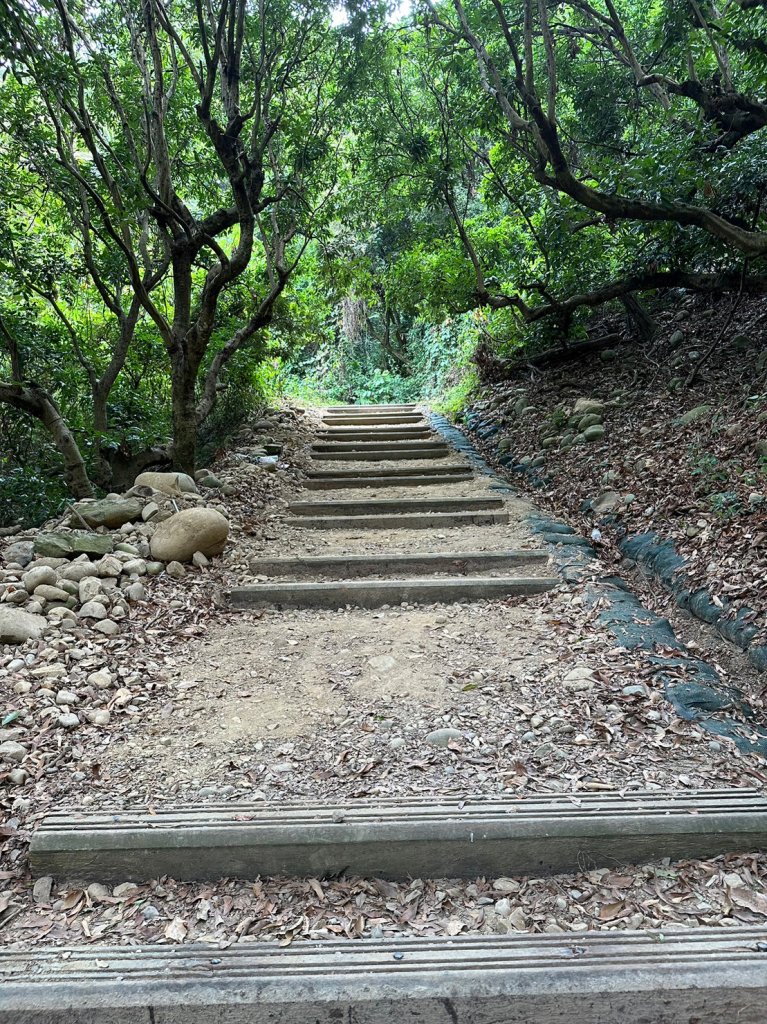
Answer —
184 378
41 405
639 317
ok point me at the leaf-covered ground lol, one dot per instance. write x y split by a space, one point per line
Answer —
701 483
542 697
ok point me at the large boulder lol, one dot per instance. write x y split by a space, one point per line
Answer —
17 626
195 529
110 512
167 483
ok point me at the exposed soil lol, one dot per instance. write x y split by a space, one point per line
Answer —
337 705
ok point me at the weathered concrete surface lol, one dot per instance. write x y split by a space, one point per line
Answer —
373 473
405 521
371 409
694 976
346 566
374 593
381 455
386 506
378 434
336 483
348 420
377 446
436 837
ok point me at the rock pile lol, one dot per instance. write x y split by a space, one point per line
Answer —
581 423
56 580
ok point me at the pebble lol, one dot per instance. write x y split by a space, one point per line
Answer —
97 892
102 679
98 717
635 690
441 737
396 743
107 627
93 610
67 697
10 750
16 665
17 776
68 720
175 570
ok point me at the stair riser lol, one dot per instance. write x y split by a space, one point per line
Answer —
378 446
403 506
371 473
378 456
361 566
701 975
439 521
352 483
370 421
382 434
368 410
376 593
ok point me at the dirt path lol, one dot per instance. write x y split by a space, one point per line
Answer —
316 703
337 705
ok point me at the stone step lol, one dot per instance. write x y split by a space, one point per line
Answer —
346 567
418 521
374 506
384 455
372 473
334 483
372 409
692 976
411 444
361 421
379 434
426 837
375 593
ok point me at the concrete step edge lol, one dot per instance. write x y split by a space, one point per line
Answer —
400 471
706 975
362 593
386 505
350 483
410 521
407 454
438 839
359 565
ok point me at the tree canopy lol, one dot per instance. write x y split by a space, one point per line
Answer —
206 196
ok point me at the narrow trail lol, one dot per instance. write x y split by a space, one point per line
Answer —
407 709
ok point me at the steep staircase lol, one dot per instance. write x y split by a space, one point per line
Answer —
699 975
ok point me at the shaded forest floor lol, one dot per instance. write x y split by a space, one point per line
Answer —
684 450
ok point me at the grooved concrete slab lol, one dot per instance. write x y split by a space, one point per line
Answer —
374 593
379 434
417 521
432 837
380 455
342 420
700 975
393 471
348 566
333 483
377 446
385 506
